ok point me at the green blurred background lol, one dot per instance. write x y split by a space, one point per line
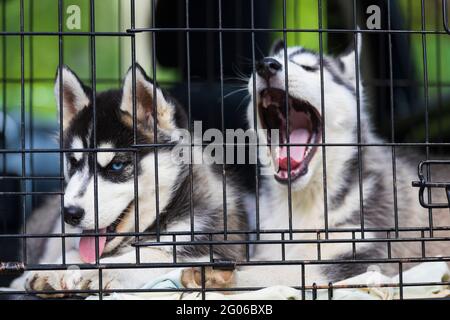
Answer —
41 52
417 104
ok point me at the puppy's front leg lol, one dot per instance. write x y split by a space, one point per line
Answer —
54 280
76 279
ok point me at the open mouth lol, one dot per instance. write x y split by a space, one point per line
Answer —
304 127
88 245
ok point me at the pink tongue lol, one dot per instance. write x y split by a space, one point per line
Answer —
87 247
296 152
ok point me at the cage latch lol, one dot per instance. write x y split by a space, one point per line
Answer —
425 184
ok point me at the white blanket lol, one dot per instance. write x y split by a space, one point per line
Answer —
430 272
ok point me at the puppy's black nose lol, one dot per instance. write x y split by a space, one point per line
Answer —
268 67
73 215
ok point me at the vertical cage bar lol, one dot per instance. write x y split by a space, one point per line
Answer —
319 249
93 62
239 18
255 119
330 291
209 46
155 121
222 113
247 247
210 247
426 94
203 282
61 121
30 98
389 246
314 291
119 43
286 82
23 185
409 15
174 248
191 147
4 90
353 245
296 14
303 281
423 249
135 124
322 107
358 124
400 278
392 108
438 71
180 56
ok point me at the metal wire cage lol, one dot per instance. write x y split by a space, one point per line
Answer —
196 49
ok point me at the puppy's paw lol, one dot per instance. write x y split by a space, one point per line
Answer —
192 278
48 281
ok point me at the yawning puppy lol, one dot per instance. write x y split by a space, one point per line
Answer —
340 195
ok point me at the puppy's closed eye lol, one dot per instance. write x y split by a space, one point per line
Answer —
310 68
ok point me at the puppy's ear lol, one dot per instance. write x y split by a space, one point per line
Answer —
145 100
277 46
347 60
73 94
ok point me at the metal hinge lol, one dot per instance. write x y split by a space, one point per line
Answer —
425 183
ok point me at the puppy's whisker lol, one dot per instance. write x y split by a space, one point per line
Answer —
239 73
242 101
234 92
244 80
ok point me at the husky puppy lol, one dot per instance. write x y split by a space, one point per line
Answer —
108 204
298 172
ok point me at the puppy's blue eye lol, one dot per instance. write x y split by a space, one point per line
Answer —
117 166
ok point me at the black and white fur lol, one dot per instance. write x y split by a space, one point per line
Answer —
115 191
342 176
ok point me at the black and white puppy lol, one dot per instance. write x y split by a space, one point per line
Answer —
99 199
